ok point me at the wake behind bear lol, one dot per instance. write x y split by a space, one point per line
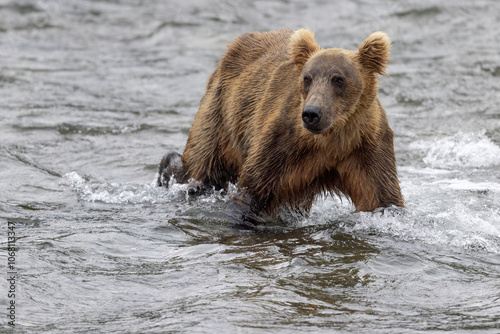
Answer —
288 121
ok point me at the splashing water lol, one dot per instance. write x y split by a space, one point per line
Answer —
464 150
456 226
113 193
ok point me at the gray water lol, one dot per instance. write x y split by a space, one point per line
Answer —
93 93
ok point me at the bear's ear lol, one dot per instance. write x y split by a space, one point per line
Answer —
302 47
374 52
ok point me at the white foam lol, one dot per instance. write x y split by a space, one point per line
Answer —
426 171
467 185
473 149
113 193
457 226
447 223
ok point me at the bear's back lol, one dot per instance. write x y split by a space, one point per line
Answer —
248 48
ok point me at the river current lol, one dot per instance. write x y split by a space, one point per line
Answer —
93 93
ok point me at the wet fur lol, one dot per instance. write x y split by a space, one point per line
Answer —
249 130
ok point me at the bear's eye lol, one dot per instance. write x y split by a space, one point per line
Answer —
338 81
307 82
339 84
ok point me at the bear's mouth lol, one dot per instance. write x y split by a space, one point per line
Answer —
313 128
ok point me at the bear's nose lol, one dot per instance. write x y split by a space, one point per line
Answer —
311 115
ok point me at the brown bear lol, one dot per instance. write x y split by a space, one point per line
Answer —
288 121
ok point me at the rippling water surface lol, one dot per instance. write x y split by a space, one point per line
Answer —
93 93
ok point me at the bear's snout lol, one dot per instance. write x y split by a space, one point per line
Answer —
311 115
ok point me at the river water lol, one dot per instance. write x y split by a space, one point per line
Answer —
93 93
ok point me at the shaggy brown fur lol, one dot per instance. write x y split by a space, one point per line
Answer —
288 121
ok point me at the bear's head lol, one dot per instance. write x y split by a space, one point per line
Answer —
335 82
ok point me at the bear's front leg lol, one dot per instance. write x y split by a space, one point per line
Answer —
171 165
370 179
